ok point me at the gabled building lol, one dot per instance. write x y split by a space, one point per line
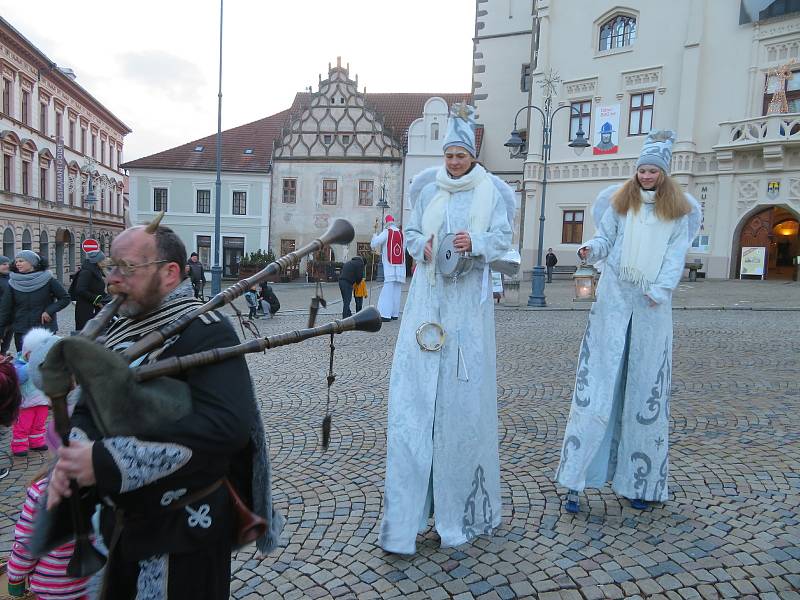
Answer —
333 154
55 136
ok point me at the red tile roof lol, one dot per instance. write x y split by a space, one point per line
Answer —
398 111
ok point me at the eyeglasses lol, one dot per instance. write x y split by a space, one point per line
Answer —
125 268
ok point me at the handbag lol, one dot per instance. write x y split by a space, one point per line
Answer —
360 289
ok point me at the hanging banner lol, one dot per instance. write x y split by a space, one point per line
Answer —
606 129
753 259
60 170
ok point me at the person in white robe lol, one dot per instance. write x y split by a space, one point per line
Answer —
391 244
442 447
618 425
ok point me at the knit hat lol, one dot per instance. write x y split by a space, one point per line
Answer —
657 150
40 346
193 254
461 129
95 256
4 260
30 256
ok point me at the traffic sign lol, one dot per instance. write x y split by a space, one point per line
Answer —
90 245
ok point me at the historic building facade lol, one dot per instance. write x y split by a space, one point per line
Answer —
335 153
710 75
55 136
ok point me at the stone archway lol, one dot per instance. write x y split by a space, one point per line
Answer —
65 254
775 228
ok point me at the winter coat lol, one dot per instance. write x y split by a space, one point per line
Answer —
269 296
23 310
196 271
31 395
3 284
89 289
551 260
353 270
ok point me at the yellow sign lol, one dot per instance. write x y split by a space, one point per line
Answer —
753 260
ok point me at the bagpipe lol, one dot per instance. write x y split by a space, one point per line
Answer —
137 401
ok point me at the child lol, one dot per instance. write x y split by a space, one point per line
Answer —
251 297
28 430
47 575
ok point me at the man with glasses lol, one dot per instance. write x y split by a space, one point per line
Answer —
166 515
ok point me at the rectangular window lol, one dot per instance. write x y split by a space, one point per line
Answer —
25 107
83 140
43 118
792 88
6 97
289 191
119 156
701 243
59 121
239 203
525 78
366 190
42 183
102 152
26 177
640 118
287 246
119 204
584 109
94 146
159 199
363 249
72 134
232 252
204 249
72 193
572 227
6 172
203 201
329 191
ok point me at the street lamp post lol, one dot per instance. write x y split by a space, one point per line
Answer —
216 270
516 146
384 206
90 199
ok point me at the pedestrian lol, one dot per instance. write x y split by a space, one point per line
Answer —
33 297
251 297
497 286
352 273
90 288
618 425
442 455
550 261
391 244
29 428
197 274
6 333
269 301
167 515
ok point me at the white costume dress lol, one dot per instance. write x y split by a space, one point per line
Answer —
442 448
394 276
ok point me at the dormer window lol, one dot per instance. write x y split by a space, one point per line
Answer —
199 148
327 138
618 32
345 139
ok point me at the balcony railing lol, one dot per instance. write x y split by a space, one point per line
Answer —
769 129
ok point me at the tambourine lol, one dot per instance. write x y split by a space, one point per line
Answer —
430 336
449 261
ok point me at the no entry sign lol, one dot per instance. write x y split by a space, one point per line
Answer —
90 245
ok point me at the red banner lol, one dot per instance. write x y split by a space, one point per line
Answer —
394 247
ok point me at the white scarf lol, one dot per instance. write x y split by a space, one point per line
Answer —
644 244
483 201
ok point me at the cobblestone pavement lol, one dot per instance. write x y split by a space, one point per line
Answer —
731 528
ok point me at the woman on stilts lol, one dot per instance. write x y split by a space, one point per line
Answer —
618 425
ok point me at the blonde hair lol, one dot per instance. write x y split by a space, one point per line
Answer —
671 202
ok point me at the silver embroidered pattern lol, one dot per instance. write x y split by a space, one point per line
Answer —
171 495
141 463
77 434
199 517
153 579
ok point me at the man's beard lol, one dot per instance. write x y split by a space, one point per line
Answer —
136 310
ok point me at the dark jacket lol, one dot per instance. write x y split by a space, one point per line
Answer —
550 260
196 271
3 284
268 295
353 270
89 289
23 310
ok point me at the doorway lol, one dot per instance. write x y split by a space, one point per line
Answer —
777 230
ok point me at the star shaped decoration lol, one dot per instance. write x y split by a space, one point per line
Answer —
659 442
462 111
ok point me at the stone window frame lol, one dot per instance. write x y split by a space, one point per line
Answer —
606 18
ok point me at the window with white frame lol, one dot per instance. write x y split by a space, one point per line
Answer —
159 199
617 32
366 192
580 114
329 191
203 201
640 117
239 203
289 190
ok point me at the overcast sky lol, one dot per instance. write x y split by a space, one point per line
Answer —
155 65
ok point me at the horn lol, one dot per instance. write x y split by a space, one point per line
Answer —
340 232
153 225
368 320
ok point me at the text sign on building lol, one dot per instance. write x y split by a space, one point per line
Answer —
606 130
753 260
60 170
90 245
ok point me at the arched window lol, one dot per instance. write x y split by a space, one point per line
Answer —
619 31
27 242
44 245
9 249
434 131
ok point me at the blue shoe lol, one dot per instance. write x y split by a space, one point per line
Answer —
572 505
639 504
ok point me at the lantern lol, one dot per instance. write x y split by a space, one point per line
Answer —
584 278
